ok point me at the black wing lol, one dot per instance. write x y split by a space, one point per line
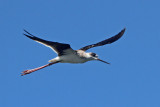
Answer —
104 42
59 48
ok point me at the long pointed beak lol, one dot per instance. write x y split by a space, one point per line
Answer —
102 61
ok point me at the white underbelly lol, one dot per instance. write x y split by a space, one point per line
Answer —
72 59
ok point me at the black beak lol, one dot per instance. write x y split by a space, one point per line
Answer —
102 61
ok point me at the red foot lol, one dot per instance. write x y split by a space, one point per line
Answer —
26 72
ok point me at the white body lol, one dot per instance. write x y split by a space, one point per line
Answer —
73 57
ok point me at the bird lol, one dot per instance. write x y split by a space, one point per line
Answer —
67 55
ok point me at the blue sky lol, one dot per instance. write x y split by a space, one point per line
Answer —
132 79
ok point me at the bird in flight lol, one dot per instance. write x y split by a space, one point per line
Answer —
67 55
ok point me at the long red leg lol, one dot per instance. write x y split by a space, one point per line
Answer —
32 70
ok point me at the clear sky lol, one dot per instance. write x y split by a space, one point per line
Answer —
132 79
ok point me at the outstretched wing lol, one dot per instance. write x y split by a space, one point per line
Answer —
59 48
104 42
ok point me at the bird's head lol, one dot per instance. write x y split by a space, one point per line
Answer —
94 56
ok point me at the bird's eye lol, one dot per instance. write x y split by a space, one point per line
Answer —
93 54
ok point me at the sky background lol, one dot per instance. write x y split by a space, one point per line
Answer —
132 79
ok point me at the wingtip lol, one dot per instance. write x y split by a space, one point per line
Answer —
29 34
26 35
124 29
25 30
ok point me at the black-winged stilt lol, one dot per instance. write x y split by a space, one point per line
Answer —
67 55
